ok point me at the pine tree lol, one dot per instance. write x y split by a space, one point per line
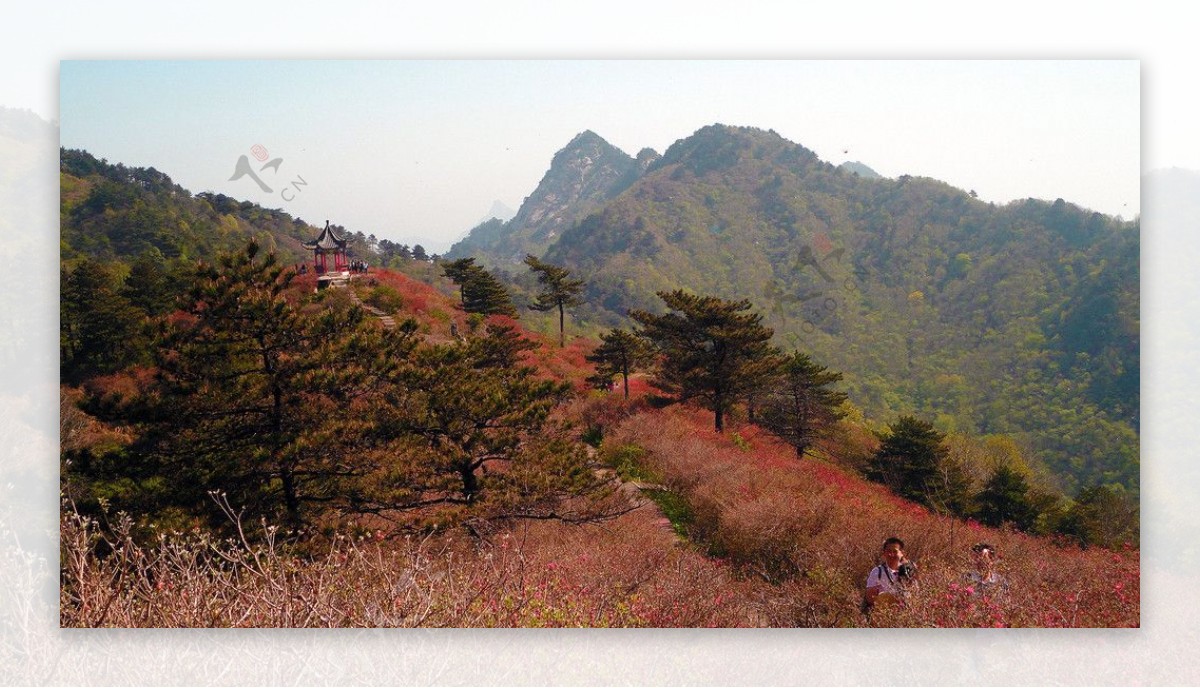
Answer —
100 331
483 293
1005 499
478 289
913 461
254 396
460 411
1103 516
713 350
460 272
799 407
558 291
148 285
620 353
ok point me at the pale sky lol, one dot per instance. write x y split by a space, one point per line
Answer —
419 150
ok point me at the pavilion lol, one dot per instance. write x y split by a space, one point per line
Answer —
328 242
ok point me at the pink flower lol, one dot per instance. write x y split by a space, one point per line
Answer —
970 590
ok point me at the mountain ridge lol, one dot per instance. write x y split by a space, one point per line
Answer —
583 174
925 295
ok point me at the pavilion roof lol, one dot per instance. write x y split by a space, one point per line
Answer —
328 239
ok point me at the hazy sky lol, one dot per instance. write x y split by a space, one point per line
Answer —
419 150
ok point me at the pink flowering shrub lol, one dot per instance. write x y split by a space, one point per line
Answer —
812 530
769 541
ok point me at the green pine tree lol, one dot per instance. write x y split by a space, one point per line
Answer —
100 331
254 396
620 353
913 461
148 285
1103 516
470 423
460 272
558 291
712 350
1005 498
479 290
799 407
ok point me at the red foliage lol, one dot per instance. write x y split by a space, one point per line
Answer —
819 527
126 384
418 296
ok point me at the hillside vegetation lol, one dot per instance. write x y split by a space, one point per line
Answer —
241 449
1019 320
771 541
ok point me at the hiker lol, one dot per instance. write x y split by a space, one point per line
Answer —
893 579
983 577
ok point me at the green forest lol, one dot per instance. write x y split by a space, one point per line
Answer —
1019 320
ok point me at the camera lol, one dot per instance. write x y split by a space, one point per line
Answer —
906 570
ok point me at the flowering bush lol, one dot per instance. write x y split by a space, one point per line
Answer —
770 541
813 530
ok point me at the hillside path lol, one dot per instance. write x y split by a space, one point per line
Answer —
388 321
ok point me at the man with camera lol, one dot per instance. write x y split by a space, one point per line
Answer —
891 580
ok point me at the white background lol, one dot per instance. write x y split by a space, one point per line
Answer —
34 651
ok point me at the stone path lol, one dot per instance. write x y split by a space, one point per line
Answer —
633 492
388 321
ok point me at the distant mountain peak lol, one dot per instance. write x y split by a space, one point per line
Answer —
585 173
721 146
590 145
859 169
586 136
499 211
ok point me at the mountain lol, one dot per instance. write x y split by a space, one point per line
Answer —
499 211
587 172
113 212
860 169
1019 319
27 183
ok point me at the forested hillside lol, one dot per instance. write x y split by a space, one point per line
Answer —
1019 320
453 470
241 448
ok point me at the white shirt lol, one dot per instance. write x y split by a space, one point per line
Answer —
886 579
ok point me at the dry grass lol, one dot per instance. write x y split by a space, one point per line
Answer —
815 527
772 541
629 573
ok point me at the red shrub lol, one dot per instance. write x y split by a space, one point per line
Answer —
819 527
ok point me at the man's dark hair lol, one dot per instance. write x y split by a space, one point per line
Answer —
982 547
891 541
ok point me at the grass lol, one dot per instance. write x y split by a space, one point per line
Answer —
780 543
777 542
675 508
